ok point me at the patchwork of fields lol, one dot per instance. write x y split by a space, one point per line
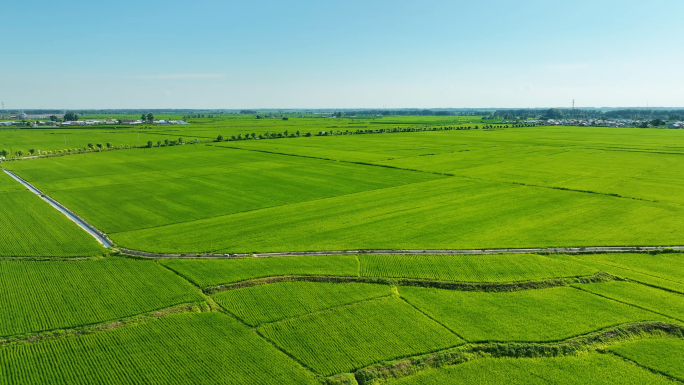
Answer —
352 319
328 327
515 187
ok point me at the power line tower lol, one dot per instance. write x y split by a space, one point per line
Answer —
573 108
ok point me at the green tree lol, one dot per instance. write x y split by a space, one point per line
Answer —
150 117
253 135
109 145
149 144
219 138
53 118
159 143
143 117
239 137
166 142
99 145
4 153
20 153
32 151
554 113
298 133
70 117
90 146
180 140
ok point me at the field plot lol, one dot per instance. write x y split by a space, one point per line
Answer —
631 162
205 348
210 272
646 297
462 214
662 355
531 315
31 228
347 338
597 369
45 295
664 270
272 302
129 190
471 268
508 189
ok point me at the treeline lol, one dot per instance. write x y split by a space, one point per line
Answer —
589 113
412 112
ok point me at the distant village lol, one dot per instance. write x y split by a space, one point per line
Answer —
56 120
600 123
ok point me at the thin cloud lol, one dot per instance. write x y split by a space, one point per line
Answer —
183 76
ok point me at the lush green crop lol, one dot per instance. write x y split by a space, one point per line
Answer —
522 187
471 268
596 369
662 355
207 348
663 270
655 300
128 190
531 315
29 226
210 272
277 301
45 295
347 338
444 214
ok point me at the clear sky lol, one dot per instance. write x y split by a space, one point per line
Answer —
347 54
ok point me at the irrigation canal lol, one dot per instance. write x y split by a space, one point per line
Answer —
98 235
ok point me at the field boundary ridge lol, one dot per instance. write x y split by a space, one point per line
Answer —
446 285
46 335
595 342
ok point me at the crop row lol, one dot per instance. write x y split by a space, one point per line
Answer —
46 295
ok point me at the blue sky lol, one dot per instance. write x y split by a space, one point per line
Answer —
347 54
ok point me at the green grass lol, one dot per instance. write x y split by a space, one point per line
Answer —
596 369
273 302
656 300
207 348
45 295
531 315
30 227
662 355
210 272
471 268
349 338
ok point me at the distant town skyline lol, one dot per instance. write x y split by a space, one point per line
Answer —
352 54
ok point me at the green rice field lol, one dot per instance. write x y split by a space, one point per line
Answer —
482 189
355 336
661 355
533 315
592 369
42 295
74 312
31 228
